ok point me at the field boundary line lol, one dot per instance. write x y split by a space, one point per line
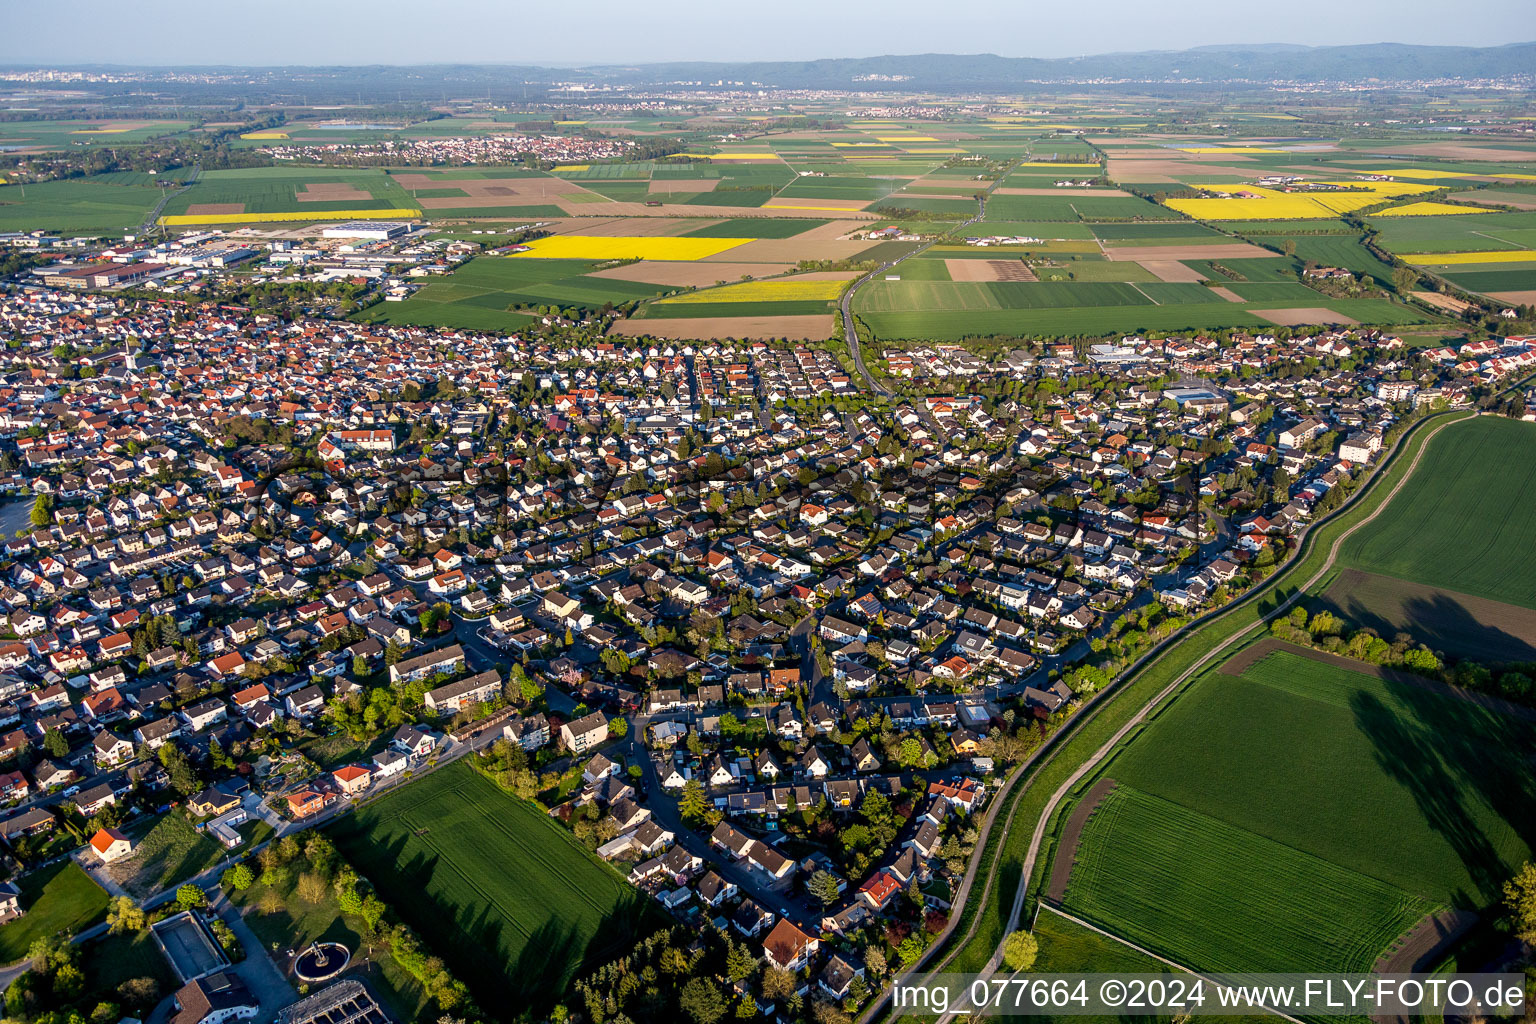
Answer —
1059 912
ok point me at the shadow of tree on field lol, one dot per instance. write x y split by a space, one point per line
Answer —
1434 618
1449 754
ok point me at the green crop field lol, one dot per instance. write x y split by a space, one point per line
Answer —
66 135
1472 233
75 205
1302 815
995 225
1344 251
277 190
1215 897
479 295
1130 232
947 325
1496 280
1464 520
494 885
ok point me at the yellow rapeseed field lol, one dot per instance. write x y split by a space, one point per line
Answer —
1271 204
624 247
263 218
906 138
1429 210
1053 165
572 167
1451 259
265 135
762 291
1417 172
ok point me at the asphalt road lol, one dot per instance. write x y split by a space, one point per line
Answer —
851 332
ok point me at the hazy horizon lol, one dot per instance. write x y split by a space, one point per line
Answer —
396 32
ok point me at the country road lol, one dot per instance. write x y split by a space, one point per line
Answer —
154 215
851 332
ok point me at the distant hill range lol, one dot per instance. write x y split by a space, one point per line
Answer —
1384 62
1236 67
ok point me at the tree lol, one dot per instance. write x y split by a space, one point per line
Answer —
42 510
55 743
124 915
1520 900
1019 951
312 887
692 804
739 962
239 877
701 1000
778 984
139 992
823 886
191 896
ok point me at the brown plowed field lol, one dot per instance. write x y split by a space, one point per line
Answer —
1172 270
989 270
1458 624
1160 253
1066 851
332 192
1303 316
215 209
683 184
693 274
817 327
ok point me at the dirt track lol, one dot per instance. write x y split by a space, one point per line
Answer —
1421 947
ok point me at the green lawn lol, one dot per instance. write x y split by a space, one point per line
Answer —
298 923
60 899
1465 519
493 884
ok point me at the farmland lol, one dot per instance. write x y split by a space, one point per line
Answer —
482 294
75 205
1463 520
585 247
492 884
1316 861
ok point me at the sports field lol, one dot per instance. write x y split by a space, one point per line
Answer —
1464 520
1302 816
496 887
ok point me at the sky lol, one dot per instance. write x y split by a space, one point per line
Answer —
329 32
